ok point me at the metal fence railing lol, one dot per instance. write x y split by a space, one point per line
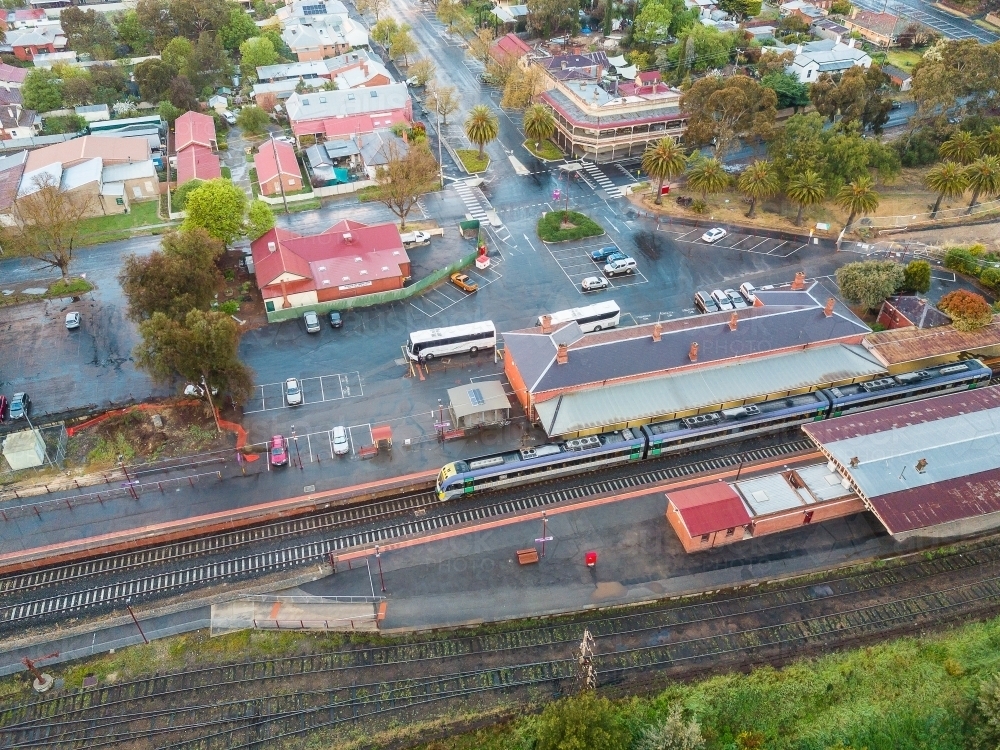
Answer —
875 223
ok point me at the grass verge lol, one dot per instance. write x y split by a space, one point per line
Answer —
69 288
471 161
119 226
547 150
551 229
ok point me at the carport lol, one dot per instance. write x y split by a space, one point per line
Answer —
479 405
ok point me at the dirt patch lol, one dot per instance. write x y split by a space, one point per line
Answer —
185 429
240 287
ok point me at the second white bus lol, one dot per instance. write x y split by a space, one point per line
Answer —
439 342
590 318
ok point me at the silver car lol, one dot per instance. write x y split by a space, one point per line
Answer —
312 322
722 300
293 393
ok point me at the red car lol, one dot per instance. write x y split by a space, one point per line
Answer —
3 407
279 451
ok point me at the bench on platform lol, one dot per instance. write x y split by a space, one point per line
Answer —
527 556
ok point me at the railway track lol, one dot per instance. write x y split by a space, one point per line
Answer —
241 705
169 569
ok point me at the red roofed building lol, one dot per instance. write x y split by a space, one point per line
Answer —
346 260
195 145
509 47
707 516
277 167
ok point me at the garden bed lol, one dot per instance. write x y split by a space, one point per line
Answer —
553 228
471 161
547 151
72 287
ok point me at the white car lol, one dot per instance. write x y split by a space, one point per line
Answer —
748 291
312 322
72 320
341 444
286 139
722 300
293 393
714 235
620 265
592 283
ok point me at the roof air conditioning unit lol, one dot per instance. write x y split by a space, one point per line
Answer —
271 247
348 237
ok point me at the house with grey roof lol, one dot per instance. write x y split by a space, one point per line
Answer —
822 56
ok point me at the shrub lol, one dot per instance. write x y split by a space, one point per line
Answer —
550 227
967 310
917 276
962 260
869 282
230 307
584 721
181 194
991 278
672 733
699 206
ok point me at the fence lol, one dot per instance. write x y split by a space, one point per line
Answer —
321 192
874 223
369 300
344 613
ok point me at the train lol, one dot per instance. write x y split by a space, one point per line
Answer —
632 444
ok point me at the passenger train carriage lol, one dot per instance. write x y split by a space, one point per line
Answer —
580 455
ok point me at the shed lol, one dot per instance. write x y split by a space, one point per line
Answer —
93 112
707 516
218 103
24 450
479 404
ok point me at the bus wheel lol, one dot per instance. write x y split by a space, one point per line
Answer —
428 357
596 329
474 351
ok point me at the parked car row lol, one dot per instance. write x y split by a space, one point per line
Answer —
18 408
725 299
278 448
311 320
615 263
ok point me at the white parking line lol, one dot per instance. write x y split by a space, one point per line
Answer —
261 401
483 278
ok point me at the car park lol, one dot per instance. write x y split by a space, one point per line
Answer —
279 451
72 320
722 299
620 266
714 235
341 444
463 282
704 302
311 321
3 408
20 406
605 253
293 392
593 283
738 302
748 291
336 320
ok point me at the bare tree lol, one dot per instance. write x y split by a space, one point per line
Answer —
443 99
48 223
405 177
375 7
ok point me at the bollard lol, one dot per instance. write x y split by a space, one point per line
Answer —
100 499
333 561
35 508
47 490
302 625
76 483
68 503
191 481
220 475
106 480
16 495
4 515
277 625
326 624
352 624
160 485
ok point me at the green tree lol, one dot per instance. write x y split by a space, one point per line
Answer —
547 18
663 161
182 94
949 180
968 311
700 48
789 90
154 16
256 52
482 126
984 179
841 7
917 276
962 147
758 182
652 24
238 28
202 345
869 282
260 219
708 176
78 89
725 110
741 8
806 189
539 124
88 31
181 276
180 195
405 177
252 120
401 44
449 11
672 733
208 64
133 34
169 112
799 146
194 17
583 722
858 197
989 142
375 7
218 207
42 91
154 78
383 30
177 54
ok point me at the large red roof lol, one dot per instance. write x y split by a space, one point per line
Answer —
509 45
709 508
193 127
337 126
267 166
197 162
939 502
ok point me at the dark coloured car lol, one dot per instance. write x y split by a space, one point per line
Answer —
335 320
3 407
20 406
605 253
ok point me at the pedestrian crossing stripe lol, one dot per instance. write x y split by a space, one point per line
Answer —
471 202
602 179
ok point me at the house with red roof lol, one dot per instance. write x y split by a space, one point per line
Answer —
12 77
277 168
509 48
347 260
196 146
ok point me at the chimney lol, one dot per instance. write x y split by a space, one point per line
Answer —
271 247
546 324
347 237
600 72
733 321
562 354
563 65
800 282
364 69
693 352
657 331
828 310
921 465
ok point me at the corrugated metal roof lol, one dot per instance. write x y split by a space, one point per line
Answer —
769 494
475 398
694 389
709 508
908 344
823 483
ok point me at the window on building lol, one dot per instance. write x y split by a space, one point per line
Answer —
704 537
730 532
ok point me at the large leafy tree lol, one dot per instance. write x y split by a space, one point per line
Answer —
725 110
449 12
88 31
133 34
482 126
663 161
917 276
791 92
957 76
858 197
405 177
806 189
256 52
182 95
194 17
260 219
758 182
708 176
699 48
252 119
856 96
539 124
383 30
208 64
402 44
968 310
949 180
48 223
548 18
154 78
375 7
741 8
42 90
201 345
154 16
869 282
180 277
652 24
984 179
583 722
218 207
238 28
178 54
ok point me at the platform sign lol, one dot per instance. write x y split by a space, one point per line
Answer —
544 539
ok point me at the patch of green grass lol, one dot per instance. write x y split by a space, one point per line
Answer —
227 173
903 59
547 150
69 288
471 161
551 229
106 452
367 194
294 208
106 228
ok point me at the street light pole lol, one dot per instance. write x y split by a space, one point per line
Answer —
378 559
544 529
128 606
295 439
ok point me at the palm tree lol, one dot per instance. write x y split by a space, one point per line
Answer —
708 176
961 147
949 180
858 197
806 189
663 160
482 126
984 178
989 142
539 124
758 182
